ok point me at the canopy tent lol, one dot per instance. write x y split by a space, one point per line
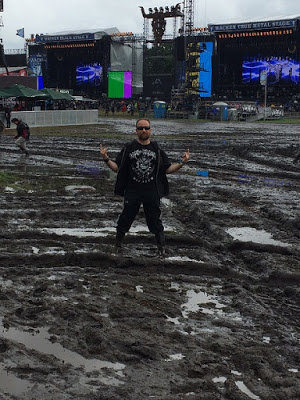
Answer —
3 94
53 94
23 92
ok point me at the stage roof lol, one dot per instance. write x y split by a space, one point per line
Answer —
289 21
82 35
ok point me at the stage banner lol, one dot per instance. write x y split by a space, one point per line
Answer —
287 23
64 38
17 72
35 63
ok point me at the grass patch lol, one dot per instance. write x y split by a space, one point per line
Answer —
87 131
6 178
284 121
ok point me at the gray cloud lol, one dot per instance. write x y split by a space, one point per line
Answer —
46 16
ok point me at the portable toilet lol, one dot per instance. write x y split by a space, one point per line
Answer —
160 109
222 110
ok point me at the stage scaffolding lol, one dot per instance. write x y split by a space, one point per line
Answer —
127 54
158 17
2 54
188 17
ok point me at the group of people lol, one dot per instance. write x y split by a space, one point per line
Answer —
130 107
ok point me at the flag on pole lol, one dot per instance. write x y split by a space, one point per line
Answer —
20 32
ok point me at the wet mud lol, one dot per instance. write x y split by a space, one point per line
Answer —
217 318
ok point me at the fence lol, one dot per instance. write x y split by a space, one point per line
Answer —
57 117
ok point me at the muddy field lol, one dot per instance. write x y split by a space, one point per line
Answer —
216 319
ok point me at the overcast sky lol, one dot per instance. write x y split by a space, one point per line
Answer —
50 16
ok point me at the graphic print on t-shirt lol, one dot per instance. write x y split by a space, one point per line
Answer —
143 165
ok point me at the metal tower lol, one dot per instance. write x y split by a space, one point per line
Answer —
188 18
1 20
2 55
146 30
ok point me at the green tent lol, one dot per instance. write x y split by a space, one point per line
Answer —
23 92
4 94
53 94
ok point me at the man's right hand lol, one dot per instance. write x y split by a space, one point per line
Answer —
103 152
111 164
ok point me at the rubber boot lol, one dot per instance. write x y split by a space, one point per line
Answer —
160 241
119 240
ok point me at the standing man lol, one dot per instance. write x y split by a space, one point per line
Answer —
141 168
22 135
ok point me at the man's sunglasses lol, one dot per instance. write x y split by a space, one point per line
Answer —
140 128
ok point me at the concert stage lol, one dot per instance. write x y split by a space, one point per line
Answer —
245 50
224 61
81 61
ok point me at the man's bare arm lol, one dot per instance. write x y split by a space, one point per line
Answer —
176 166
111 164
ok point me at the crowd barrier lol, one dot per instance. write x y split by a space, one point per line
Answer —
57 117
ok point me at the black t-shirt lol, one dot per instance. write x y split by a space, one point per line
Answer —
142 161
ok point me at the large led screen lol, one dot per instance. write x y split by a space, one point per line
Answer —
279 70
119 85
205 75
89 74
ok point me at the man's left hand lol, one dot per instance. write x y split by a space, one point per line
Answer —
186 156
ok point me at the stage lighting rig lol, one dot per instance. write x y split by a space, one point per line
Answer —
159 16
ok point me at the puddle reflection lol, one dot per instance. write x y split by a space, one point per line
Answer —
10 383
243 388
194 299
254 235
96 232
40 342
219 379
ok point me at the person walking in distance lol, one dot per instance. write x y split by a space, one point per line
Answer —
7 114
22 135
141 168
